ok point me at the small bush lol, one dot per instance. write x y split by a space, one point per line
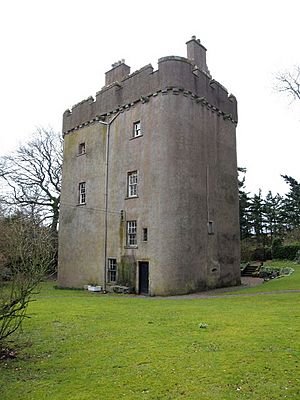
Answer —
268 272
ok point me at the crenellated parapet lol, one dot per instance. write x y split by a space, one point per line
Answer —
175 75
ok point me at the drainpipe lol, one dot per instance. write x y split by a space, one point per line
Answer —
107 124
207 193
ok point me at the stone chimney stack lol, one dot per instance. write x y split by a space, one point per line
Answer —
197 54
117 73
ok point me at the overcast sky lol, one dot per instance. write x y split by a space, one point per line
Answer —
55 53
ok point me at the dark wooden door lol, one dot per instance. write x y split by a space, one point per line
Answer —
143 277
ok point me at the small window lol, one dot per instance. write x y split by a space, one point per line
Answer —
131 233
137 129
210 227
81 149
122 215
132 183
81 193
145 234
112 270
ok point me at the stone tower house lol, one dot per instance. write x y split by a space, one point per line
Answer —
149 193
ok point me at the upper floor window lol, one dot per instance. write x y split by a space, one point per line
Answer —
132 184
81 193
131 233
137 129
145 234
112 270
81 148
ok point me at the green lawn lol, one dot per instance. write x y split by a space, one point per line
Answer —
80 345
285 283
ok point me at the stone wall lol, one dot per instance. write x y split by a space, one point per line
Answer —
187 181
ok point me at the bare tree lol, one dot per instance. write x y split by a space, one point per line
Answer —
289 82
32 176
26 248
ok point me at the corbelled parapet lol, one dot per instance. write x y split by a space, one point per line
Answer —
177 75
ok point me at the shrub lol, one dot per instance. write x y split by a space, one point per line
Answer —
261 254
277 243
247 248
286 252
269 272
29 248
297 259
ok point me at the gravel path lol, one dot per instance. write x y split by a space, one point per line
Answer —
246 282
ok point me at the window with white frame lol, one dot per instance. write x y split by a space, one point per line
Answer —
81 148
131 233
137 129
81 193
132 184
112 270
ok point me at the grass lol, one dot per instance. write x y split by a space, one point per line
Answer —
286 283
80 345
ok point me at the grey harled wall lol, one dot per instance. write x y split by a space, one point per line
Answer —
186 161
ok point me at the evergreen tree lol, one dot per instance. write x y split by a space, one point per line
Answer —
257 218
244 207
273 219
291 203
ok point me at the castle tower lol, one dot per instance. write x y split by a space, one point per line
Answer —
149 194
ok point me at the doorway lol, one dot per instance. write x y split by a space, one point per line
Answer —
143 277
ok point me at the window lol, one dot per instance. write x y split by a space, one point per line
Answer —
81 149
210 227
81 193
145 234
137 129
131 233
112 270
132 184
122 215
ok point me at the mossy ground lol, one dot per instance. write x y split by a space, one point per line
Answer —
80 345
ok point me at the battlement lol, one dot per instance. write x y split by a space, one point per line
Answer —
122 88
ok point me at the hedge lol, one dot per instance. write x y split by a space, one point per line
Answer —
286 252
